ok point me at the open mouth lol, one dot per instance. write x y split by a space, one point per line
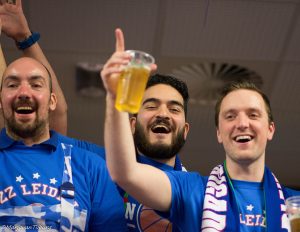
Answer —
243 138
24 110
162 129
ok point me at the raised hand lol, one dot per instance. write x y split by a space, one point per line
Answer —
115 65
14 23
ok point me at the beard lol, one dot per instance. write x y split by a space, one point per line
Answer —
25 130
157 151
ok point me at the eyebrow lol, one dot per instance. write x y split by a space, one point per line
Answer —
229 111
155 100
37 77
250 109
11 77
16 78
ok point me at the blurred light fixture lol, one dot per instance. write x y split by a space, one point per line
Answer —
88 80
205 80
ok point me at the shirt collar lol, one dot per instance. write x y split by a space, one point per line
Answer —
6 141
147 160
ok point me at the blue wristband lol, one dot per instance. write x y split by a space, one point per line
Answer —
29 41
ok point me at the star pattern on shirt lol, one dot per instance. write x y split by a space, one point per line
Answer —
53 181
36 175
19 178
250 207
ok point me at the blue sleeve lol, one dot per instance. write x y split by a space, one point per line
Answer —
288 192
107 213
92 147
187 200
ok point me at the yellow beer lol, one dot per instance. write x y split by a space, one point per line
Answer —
295 224
131 86
293 211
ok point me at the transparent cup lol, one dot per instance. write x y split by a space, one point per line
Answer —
293 211
132 82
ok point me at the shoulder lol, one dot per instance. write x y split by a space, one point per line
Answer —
82 144
191 181
188 189
79 153
288 192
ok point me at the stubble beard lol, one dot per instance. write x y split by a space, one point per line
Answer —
23 130
158 150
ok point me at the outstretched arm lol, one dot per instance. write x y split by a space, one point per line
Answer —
2 68
15 26
139 180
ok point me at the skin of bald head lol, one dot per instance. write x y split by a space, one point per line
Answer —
28 58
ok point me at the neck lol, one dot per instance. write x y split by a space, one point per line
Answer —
253 171
35 139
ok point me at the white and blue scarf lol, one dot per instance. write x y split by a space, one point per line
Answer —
221 213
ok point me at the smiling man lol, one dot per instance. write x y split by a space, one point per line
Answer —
240 195
159 131
160 128
13 23
45 182
26 100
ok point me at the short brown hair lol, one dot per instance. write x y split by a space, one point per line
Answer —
233 86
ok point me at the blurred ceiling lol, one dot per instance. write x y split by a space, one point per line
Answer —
260 35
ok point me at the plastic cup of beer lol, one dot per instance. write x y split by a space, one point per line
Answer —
293 211
132 82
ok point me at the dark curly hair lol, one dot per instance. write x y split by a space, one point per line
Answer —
174 82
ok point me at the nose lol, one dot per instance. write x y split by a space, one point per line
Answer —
242 122
163 112
23 92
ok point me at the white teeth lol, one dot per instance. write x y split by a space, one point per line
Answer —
243 137
24 108
160 126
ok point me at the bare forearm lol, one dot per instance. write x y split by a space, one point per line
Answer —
139 180
119 142
2 63
2 68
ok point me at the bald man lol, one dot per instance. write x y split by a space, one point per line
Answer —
46 182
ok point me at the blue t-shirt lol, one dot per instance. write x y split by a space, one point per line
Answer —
139 217
188 190
142 218
30 186
251 204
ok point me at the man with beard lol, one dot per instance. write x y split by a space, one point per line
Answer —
240 195
47 184
155 118
13 23
159 130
